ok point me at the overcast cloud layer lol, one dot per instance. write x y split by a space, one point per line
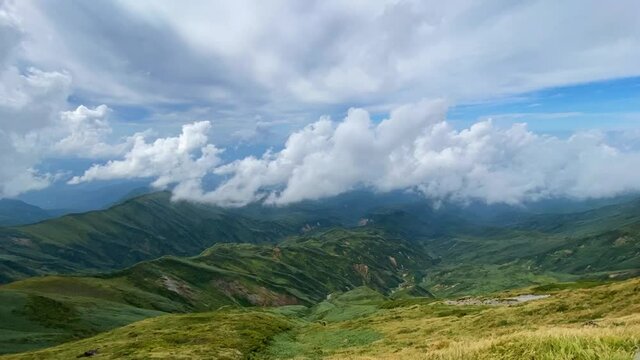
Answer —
243 68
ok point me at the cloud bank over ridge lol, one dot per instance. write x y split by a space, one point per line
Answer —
414 148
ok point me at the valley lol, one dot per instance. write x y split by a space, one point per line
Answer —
314 274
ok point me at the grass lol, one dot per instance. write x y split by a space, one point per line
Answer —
473 279
302 271
577 322
135 230
233 334
543 344
372 273
31 321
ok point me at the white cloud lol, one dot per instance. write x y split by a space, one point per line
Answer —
275 58
232 61
34 122
32 99
415 148
182 161
85 132
28 101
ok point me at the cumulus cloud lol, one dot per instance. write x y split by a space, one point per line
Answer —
34 121
28 100
34 126
414 148
85 131
232 61
182 161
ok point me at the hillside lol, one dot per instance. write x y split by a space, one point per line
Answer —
598 243
537 248
151 225
576 321
177 257
299 271
139 229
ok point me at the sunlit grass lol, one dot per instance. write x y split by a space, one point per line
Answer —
574 323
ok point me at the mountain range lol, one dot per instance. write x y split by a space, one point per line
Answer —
78 275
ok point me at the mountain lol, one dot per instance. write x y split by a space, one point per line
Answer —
532 249
151 225
138 229
148 256
301 270
16 212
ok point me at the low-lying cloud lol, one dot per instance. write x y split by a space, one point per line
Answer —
183 160
414 148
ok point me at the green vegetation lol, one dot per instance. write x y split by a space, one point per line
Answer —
597 244
230 334
577 322
298 271
139 229
368 291
31 321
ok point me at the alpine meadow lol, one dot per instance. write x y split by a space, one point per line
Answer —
391 179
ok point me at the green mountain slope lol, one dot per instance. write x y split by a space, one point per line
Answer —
298 271
150 226
537 249
249 257
598 243
138 229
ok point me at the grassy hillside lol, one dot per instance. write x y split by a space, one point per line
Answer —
150 226
299 271
577 321
139 229
230 334
397 251
599 243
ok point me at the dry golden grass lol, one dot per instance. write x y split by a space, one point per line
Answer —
596 323
542 344
583 324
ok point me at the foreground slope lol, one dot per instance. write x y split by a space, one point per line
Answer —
577 321
302 270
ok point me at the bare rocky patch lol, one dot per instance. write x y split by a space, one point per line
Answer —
179 287
257 296
496 301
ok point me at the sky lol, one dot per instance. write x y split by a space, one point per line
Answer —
235 102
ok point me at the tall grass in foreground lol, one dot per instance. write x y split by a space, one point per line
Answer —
594 323
546 344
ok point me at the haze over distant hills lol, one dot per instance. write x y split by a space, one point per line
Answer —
84 197
16 212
